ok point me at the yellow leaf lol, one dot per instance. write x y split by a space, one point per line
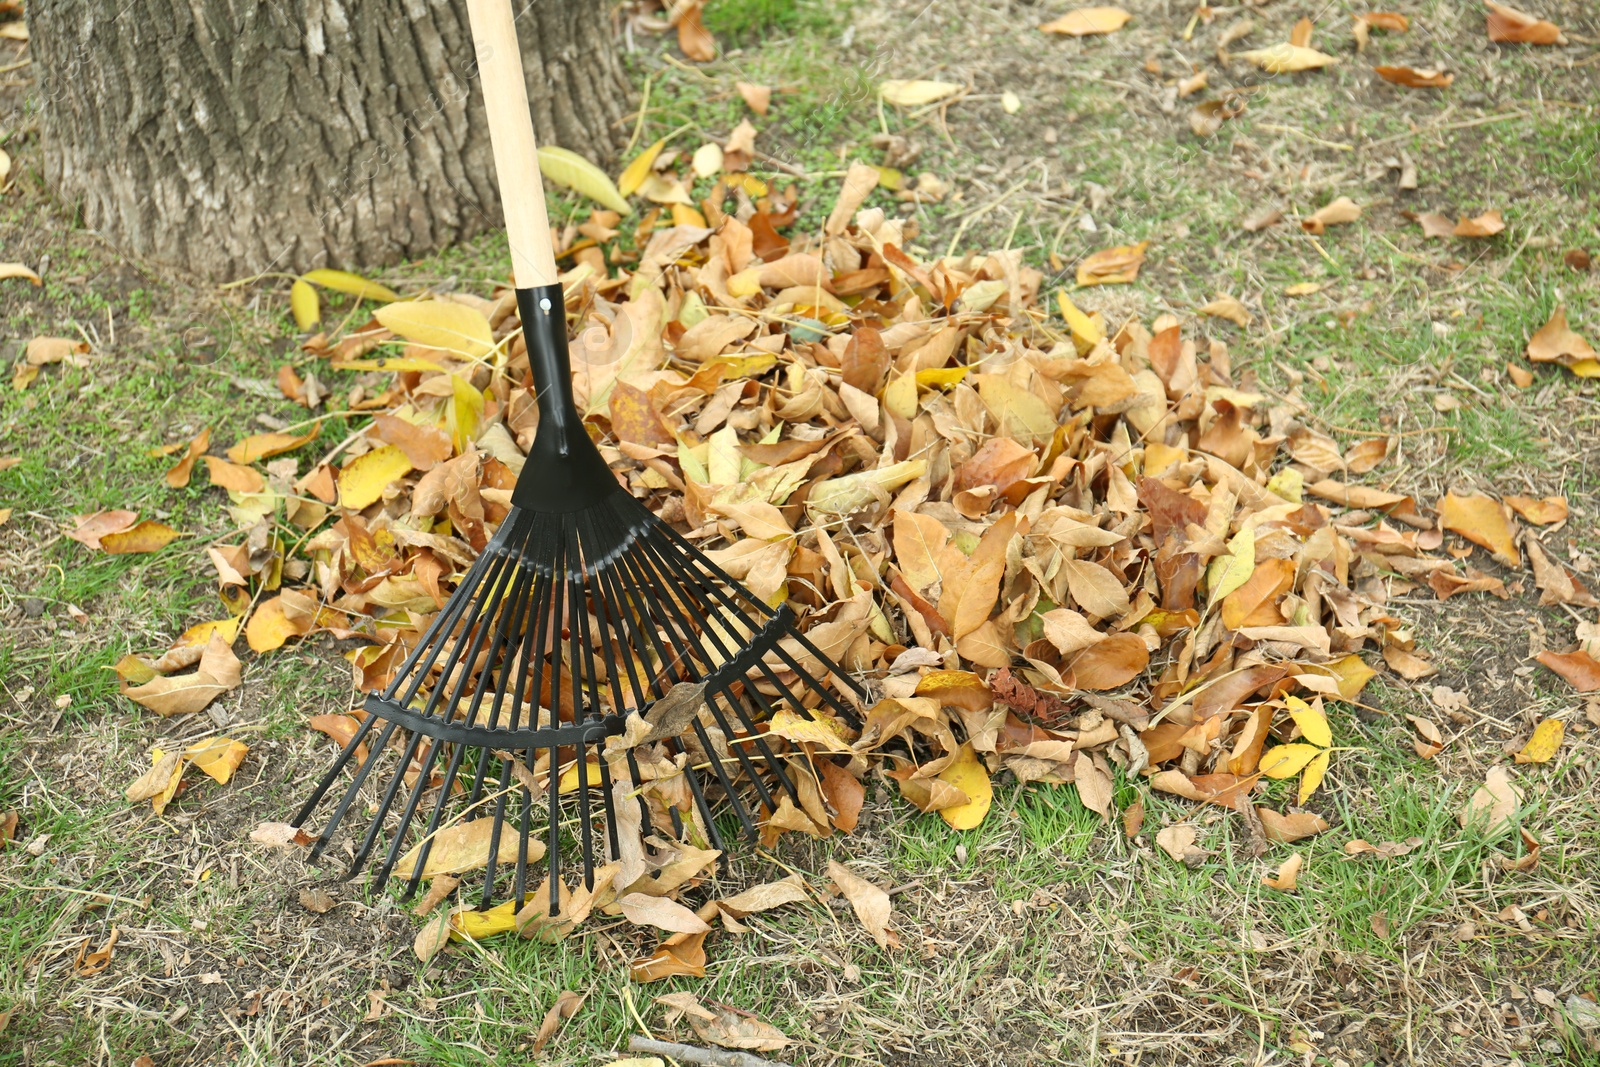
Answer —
148 536
1286 761
440 324
900 396
1118 265
466 412
269 627
967 773
342 281
1230 571
1085 330
1304 288
1287 58
634 174
471 925
1481 520
364 478
388 363
261 445
17 270
1086 21
567 168
707 160
916 93
942 377
304 304
218 756
569 777
1312 722
1541 747
199 635
803 728
1313 776
1020 412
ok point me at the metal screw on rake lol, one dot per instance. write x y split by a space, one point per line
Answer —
583 608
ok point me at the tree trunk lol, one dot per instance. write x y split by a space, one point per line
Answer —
232 137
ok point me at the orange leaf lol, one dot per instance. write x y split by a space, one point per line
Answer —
1481 520
1557 343
1507 25
1541 511
262 445
148 536
1115 661
1578 668
1415 79
1113 266
1088 21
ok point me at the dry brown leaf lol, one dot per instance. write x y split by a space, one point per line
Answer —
757 97
1113 266
1557 343
1178 841
565 1007
1088 21
1429 742
464 847
766 897
1287 59
1282 829
1541 511
1481 520
1288 875
91 528
663 914
1494 802
1507 25
184 694
1341 211
1486 225
1227 307
741 1030
1416 79
1580 669
871 904
1408 665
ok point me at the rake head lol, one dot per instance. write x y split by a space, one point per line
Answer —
593 678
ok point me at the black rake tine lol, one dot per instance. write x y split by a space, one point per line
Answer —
339 763
737 748
374 754
494 835
722 776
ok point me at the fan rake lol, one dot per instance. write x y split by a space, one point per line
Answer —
585 619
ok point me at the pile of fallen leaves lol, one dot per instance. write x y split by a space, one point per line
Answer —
1054 547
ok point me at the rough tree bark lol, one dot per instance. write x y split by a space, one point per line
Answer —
233 137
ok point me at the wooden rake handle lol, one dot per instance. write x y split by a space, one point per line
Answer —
516 155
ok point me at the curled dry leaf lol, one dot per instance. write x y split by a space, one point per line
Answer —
565 1007
91 528
1415 79
1386 850
741 1030
1282 829
1429 742
1507 25
916 93
1556 342
465 847
218 672
1113 266
1288 58
1377 20
1483 521
1545 742
1541 511
1288 876
1179 842
1227 307
1341 211
1581 670
871 904
1087 21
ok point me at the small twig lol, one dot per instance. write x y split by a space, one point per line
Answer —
1338 145
714 1057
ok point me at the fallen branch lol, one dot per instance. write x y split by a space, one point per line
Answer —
715 1057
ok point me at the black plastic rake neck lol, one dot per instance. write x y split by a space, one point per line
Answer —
564 470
